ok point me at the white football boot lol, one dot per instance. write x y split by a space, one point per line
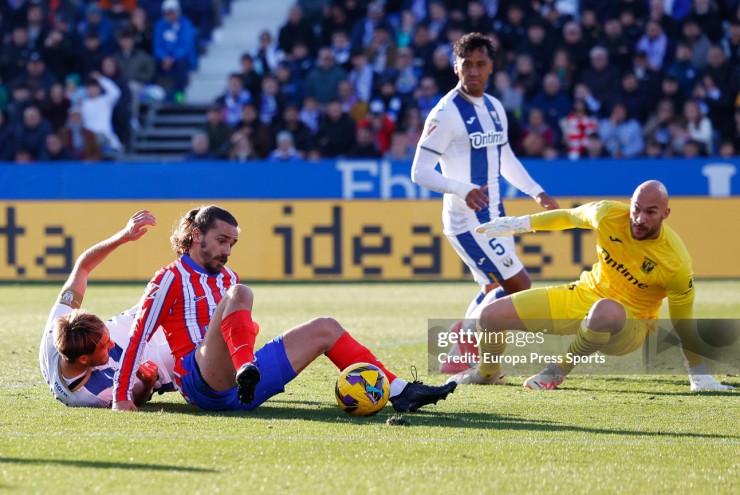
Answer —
547 379
473 376
707 383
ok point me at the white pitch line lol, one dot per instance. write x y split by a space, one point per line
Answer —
313 438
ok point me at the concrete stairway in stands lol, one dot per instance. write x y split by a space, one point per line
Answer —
236 36
166 133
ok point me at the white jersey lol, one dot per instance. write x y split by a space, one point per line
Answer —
95 388
469 136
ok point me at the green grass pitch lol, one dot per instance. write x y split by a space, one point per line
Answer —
598 434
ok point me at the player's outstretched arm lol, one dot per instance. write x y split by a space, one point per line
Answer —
582 217
92 257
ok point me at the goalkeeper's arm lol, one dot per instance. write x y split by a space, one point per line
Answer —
571 218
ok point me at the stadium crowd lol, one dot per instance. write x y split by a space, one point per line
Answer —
356 78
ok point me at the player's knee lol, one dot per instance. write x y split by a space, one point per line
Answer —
326 329
517 283
606 315
241 295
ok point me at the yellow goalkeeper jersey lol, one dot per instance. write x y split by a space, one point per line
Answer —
637 274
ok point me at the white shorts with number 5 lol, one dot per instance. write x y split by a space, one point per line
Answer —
490 260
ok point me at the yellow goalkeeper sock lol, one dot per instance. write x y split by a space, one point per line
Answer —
587 342
492 345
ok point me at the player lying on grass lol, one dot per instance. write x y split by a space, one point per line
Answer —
79 353
206 315
613 307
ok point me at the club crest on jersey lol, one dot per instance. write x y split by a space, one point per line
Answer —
481 140
494 115
648 265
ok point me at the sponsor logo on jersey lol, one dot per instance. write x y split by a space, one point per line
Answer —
470 120
431 126
494 115
614 239
648 265
481 140
621 269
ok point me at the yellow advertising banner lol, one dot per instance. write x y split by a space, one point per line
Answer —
326 240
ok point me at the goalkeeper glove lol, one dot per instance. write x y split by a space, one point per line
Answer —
505 226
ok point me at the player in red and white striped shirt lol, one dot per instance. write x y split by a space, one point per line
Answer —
206 315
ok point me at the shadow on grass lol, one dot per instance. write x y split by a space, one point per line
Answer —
104 465
317 411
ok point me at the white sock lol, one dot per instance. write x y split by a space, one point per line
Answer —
397 386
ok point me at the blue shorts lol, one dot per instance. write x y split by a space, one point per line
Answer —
275 370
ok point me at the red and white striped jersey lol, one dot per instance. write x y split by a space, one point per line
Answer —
181 298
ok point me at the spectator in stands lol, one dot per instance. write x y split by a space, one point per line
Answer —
707 16
591 27
423 47
15 53
139 69
511 31
258 133
199 148
23 156
61 53
720 88
289 89
294 29
477 20
271 102
404 31
365 145
97 111
630 26
300 62
174 48
577 126
36 76
655 45
553 101
524 77
683 70
634 100
96 21
670 89
731 42
381 126
653 149
617 44
537 136
601 78
595 147
622 135
538 46
36 28
695 127
399 150
91 54
662 126
310 114
118 11
693 149
334 19
80 143
342 49
659 15
648 80
393 104
20 99
267 56
441 71
576 46
322 82
562 67
201 13
55 107
286 150
142 29
31 134
233 100
218 133
382 51
336 134
122 110
364 28
74 90
428 95
54 149
242 150
698 42
404 74
361 76
251 79
726 150
351 105
302 137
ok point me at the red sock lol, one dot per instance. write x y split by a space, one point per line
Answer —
239 333
347 350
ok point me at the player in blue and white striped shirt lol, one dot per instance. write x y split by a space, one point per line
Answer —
466 133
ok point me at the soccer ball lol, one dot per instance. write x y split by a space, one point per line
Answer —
362 389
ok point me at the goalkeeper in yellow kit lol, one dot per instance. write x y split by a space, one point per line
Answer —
610 309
